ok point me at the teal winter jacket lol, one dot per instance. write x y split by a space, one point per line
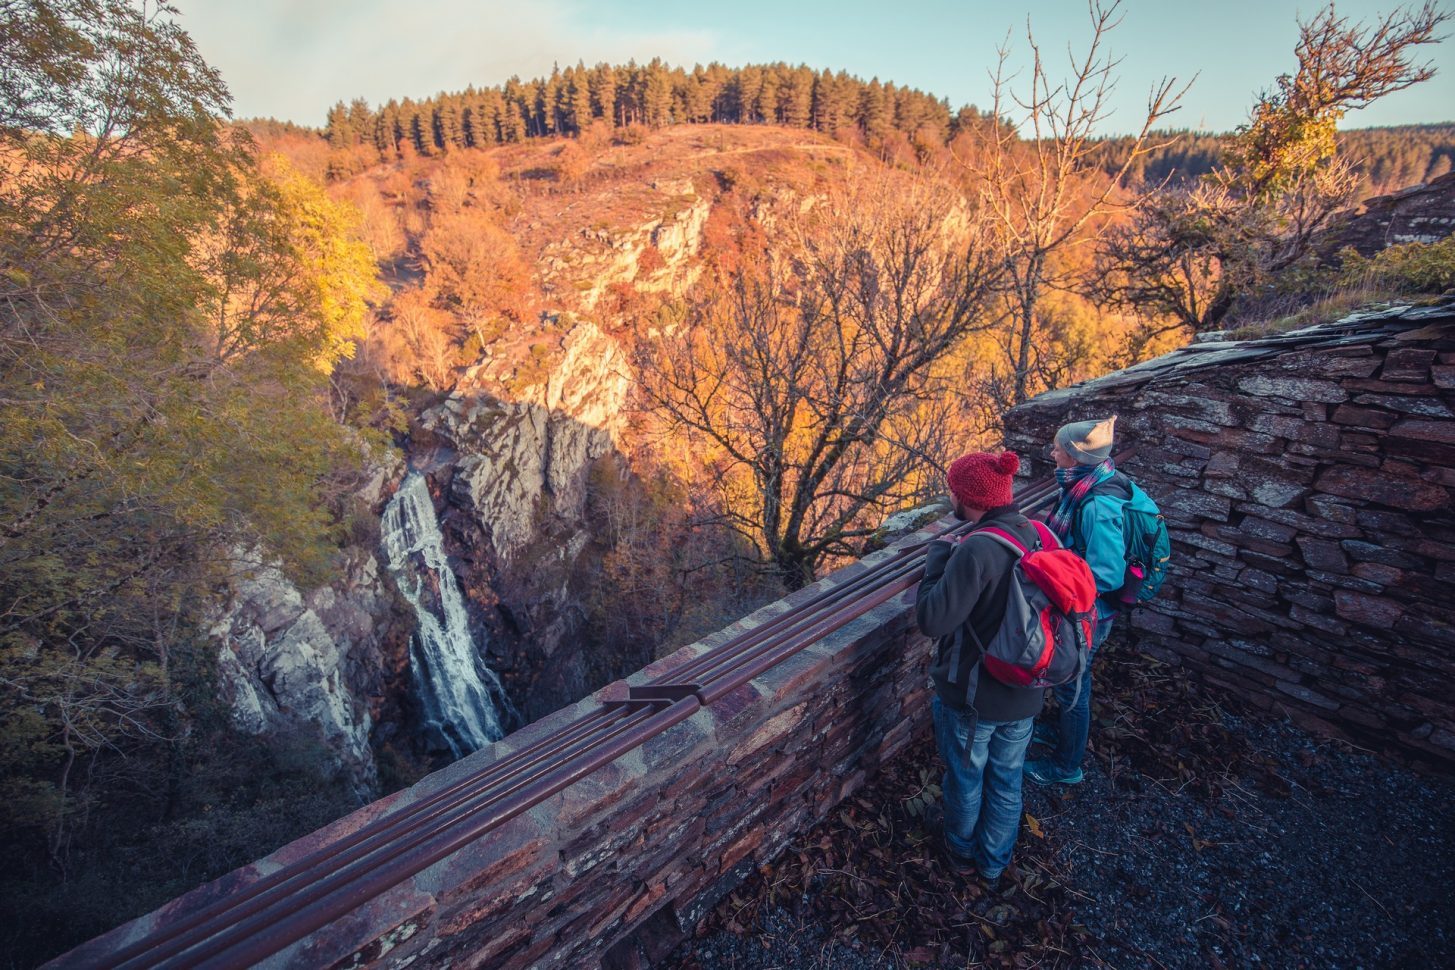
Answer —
1096 535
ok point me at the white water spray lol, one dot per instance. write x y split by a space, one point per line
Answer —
462 698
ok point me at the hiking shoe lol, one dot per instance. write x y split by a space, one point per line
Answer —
1042 772
958 865
1045 734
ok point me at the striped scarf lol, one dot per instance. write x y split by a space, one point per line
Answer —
1075 482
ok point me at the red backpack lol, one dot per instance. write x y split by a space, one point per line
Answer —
1045 638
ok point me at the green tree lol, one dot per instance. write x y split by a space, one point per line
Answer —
578 93
445 127
876 113
796 98
421 138
168 315
361 120
656 95
489 116
387 131
338 129
603 92
512 124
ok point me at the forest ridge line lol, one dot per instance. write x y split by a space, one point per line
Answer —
892 119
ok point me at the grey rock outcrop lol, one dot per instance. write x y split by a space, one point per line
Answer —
515 475
295 663
1421 213
517 461
584 267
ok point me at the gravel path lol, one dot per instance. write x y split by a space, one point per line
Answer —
1245 843
1353 867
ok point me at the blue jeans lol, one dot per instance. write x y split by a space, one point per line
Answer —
982 785
1074 727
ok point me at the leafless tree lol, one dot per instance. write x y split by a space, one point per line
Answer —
812 385
1038 174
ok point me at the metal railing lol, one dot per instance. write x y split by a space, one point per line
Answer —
261 919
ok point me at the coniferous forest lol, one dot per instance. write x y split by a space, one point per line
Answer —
655 95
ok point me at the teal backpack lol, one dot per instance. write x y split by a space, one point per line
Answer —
1148 546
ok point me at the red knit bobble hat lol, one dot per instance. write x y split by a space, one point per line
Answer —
981 480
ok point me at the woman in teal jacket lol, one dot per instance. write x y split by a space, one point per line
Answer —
1089 521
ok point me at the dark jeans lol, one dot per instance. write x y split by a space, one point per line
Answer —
1074 726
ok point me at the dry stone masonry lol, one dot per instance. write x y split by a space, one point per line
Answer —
620 866
1306 479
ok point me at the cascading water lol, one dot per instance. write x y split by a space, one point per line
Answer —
461 696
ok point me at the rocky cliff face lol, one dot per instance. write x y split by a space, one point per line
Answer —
513 477
508 455
314 663
507 458
510 487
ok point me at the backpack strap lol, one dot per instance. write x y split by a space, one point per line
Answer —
1118 486
1048 538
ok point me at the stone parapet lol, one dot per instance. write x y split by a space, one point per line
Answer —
621 865
1306 481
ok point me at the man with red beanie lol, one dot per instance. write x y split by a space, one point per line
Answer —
982 726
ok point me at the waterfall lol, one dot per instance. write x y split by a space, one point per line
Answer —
461 697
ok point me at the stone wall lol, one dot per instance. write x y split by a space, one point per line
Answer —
1421 213
1306 480
621 865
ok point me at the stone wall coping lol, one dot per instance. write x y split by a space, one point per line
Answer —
540 852
1212 350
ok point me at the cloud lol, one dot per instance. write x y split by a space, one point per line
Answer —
291 60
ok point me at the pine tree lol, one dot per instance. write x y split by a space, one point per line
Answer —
631 92
361 120
603 85
338 129
447 129
383 144
469 127
491 112
579 96
421 139
657 95
796 98
875 112
717 79
550 103
513 125
765 105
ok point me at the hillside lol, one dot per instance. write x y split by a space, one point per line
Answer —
618 230
1387 159
892 120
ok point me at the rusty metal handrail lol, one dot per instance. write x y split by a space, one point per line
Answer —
283 907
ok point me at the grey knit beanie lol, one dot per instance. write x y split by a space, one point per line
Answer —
1089 442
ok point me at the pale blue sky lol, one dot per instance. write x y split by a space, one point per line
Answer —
291 59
